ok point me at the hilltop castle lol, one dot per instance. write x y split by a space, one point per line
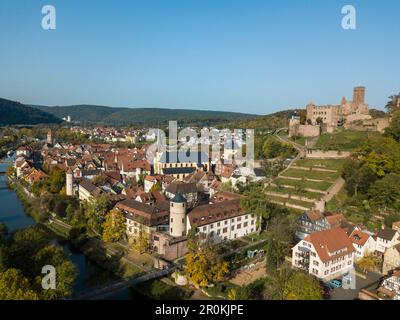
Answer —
326 118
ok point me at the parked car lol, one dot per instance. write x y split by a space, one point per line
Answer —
335 283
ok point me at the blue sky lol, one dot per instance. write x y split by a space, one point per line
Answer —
245 56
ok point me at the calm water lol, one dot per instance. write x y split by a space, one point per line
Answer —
12 214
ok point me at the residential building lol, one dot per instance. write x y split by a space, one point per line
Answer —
324 254
386 238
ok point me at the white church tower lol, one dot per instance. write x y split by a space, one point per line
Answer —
69 183
177 216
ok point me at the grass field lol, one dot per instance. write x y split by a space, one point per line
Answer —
304 204
307 194
332 164
319 175
323 185
344 140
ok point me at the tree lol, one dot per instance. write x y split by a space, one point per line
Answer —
156 187
141 241
114 227
279 242
302 286
65 272
394 103
288 284
393 130
369 262
14 286
203 264
95 213
319 121
386 191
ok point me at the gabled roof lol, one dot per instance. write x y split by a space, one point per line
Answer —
181 187
386 234
184 157
359 237
330 244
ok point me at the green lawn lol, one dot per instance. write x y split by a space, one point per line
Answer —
323 186
320 175
345 140
333 164
296 202
308 194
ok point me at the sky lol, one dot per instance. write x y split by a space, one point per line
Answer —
244 56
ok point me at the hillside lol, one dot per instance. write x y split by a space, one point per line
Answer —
12 112
131 116
271 121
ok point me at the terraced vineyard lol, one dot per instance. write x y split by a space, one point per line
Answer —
305 182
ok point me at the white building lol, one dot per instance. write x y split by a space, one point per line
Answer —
363 243
325 254
386 238
222 220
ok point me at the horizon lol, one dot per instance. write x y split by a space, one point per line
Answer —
256 58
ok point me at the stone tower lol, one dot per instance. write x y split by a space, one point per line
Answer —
359 95
177 216
49 137
69 183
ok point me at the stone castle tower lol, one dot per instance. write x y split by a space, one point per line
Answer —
69 187
359 95
177 216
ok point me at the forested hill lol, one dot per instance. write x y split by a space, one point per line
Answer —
12 113
132 116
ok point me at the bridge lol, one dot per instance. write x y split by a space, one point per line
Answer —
103 292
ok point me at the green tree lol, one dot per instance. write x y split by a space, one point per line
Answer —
393 130
114 227
279 242
394 103
65 272
95 213
386 191
14 286
302 286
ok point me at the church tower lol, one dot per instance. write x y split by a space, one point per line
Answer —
177 216
49 137
69 187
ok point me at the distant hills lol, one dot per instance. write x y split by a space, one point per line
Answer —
15 113
131 116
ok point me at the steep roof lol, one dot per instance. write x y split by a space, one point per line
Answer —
330 244
178 198
387 234
215 212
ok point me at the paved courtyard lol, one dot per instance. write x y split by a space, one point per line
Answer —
351 294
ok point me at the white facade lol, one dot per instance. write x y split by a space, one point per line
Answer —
383 244
228 229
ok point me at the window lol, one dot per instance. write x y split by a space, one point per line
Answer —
239 226
218 224
232 228
183 220
171 230
225 230
204 228
172 220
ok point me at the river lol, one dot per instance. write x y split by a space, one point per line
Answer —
13 215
